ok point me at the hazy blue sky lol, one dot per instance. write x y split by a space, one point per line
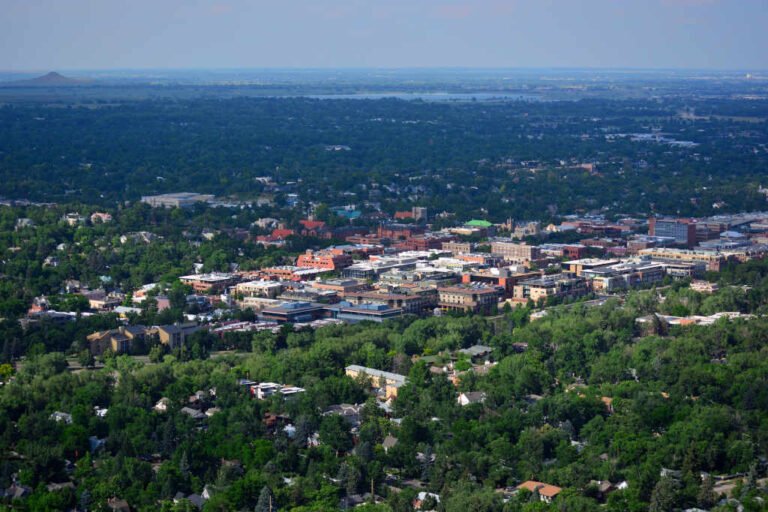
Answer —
90 34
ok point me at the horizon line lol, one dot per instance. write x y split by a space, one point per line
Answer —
391 68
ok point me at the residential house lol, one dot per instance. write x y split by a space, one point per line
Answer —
389 443
547 492
471 397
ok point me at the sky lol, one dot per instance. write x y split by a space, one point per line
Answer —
107 34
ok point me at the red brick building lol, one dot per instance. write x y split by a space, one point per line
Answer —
324 260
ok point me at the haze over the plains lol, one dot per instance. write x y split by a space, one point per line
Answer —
103 34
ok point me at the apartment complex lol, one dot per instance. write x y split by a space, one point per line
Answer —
119 341
556 286
515 252
624 275
475 299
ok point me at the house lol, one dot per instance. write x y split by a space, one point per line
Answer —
388 443
471 397
17 491
197 500
101 301
162 405
546 492
100 218
264 390
118 505
603 487
424 498
358 500
59 486
95 444
477 352
193 413
59 417
73 219
314 228
351 413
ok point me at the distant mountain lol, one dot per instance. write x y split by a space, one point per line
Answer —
52 79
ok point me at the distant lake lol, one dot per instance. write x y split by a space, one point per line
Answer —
426 96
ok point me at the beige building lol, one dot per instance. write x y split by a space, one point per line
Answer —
388 381
474 298
515 252
119 341
712 260
264 289
704 286
174 336
457 248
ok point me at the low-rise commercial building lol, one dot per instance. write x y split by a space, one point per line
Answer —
366 312
324 260
373 268
624 275
416 302
499 277
294 312
515 252
474 298
176 200
556 286
712 260
214 282
579 266
457 248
